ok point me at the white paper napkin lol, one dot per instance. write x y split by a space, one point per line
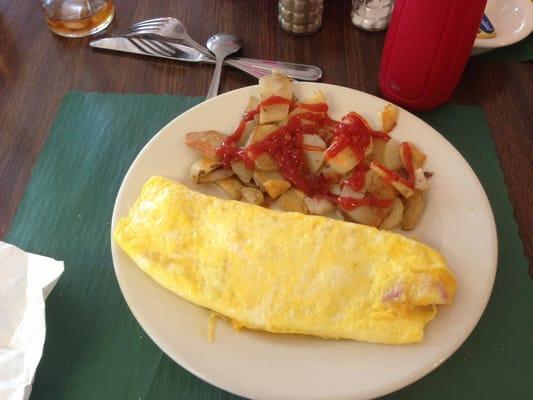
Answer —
25 281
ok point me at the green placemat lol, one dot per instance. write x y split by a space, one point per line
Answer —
521 52
94 347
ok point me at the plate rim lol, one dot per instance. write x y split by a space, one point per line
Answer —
242 390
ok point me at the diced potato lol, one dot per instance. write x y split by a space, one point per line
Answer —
388 117
232 186
314 148
293 200
205 142
378 187
273 113
276 187
243 173
202 167
216 175
252 103
391 155
404 190
343 161
417 157
252 195
271 182
347 191
331 174
368 215
335 189
316 98
421 182
249 128
394 219
378 149
414 206
260 132
260 177
319 206
276 84
265 162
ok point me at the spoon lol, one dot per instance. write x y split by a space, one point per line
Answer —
221 45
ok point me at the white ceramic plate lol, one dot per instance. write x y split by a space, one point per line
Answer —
513 21
458 221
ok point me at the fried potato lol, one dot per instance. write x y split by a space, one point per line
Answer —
276 187
293 200
252 195
243 173
232 186
417 157
404 190
343 161
378 148
202 167
273 113
216 175
414 206
261 177
389 115
260 132
253 102
378 187
318 206
316 98
205 142
331 174
249 128
421 182
395 217
265 162
391 155
368 215
314 148
276 84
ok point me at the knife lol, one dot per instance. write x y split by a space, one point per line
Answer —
180 52
141 46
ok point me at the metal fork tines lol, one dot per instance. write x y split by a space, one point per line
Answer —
169 50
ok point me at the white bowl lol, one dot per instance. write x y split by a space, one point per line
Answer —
512 20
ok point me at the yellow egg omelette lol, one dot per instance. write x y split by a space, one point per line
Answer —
285 272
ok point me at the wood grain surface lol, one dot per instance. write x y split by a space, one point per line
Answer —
37 68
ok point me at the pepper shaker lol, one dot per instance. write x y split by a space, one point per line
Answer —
300 17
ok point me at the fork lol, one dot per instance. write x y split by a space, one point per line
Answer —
171 28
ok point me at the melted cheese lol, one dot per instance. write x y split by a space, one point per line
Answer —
285 271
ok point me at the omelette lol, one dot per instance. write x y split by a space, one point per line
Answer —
285 272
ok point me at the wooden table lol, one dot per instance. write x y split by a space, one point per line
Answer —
37 68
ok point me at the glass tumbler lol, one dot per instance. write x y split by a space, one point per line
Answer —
371 15
77 18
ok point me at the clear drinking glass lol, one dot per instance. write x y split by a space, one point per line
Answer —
76 18
371 15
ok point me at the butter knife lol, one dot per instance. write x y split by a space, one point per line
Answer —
180 52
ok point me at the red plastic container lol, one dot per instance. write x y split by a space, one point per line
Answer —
427 46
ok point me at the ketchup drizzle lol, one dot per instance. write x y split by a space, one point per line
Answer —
285 145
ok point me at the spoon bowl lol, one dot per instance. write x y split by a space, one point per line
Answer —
221 45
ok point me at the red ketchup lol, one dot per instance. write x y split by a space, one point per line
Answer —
427 46
285 145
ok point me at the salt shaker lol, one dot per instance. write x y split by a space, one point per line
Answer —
371 15
300 17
